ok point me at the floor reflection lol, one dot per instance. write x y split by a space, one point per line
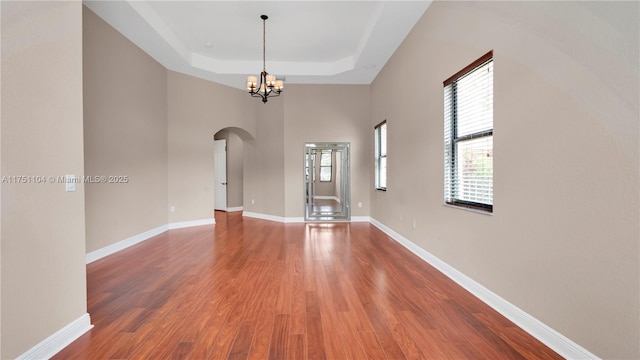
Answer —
325 207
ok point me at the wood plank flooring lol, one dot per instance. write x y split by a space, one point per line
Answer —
253 289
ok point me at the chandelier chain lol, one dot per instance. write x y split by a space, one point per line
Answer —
264 45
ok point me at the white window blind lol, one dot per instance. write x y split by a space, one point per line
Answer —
468 136
381 156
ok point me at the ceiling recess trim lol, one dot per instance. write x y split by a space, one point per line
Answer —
386 27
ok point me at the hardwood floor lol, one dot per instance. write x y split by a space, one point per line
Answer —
253 289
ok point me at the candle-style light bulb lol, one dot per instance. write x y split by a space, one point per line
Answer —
252 82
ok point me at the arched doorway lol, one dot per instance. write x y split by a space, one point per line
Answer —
228 168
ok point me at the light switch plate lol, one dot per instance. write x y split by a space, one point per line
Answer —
70 183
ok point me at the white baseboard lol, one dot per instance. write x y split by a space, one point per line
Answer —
263 216
548 336
289 220
123 244
52 345
234 209
273 217
185 224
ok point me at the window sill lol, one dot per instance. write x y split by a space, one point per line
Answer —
381 189
478 211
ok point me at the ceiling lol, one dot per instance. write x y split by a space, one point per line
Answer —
307 42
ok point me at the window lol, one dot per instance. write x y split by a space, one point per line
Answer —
468 136
381 155
326 162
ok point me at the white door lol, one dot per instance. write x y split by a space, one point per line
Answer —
220 174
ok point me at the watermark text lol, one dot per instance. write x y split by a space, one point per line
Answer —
64 179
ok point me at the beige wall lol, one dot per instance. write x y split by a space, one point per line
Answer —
562 243
264 188
234 166
274 134
43 248
156 127
341 114
197 109
125 123
1 174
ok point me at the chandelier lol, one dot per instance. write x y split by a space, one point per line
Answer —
268 86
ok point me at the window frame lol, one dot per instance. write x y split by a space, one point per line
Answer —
450 167
378 154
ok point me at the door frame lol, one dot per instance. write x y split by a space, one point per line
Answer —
217 204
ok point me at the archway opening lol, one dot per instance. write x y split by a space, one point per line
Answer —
228 168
